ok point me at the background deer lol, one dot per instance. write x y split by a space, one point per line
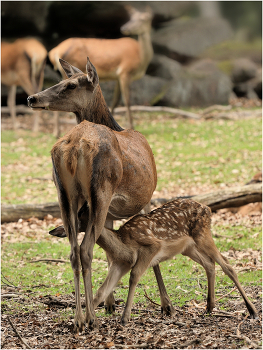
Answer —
22 64
100 170
178 227
123 60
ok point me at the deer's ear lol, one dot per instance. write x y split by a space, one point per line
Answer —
92 73
131 10
68 68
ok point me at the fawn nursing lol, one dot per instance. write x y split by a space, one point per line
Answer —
179 227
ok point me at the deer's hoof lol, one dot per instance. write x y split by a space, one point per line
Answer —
124 321
79 325
110 309
254 316
92 323
168 310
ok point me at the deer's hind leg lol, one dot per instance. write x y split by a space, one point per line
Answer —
70 224
208 264
230 272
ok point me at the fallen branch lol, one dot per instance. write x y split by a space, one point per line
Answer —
9 295
49 260
175 111
231 197
217 108
24 344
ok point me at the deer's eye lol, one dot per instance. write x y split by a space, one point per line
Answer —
71 86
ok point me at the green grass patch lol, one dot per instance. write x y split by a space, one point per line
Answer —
186 153
185 280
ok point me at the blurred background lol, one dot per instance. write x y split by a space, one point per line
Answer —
205 52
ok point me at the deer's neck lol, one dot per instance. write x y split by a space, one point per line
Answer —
115 248
98 112
146 48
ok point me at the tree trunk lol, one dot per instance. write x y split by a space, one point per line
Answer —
231 197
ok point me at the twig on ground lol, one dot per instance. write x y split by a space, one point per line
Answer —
10 295
132 346
146 296
223 296
25 345
244 337
9 285
49 260
187 343
238 330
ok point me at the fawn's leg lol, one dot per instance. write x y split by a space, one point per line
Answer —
230 272
143 260
166 305
116 271
209 266
109 302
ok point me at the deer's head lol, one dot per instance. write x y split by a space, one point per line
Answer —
71 94
139 23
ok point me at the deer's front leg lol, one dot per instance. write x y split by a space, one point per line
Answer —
11 102
166 304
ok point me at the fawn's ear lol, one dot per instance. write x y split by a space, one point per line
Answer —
92 73
68 68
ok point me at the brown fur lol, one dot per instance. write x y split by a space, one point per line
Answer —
22 64
123 60
181 226
100 170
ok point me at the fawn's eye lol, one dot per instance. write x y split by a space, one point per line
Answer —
71 86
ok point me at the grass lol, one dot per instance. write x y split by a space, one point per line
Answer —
186 152
183 277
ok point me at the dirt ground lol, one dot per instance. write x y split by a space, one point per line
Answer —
189 328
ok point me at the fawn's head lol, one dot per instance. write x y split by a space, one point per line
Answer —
139 22
70 95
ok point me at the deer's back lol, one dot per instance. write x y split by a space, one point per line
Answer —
174 220
109 56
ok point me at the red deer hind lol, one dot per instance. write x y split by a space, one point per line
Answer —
101 172
123 60
22 64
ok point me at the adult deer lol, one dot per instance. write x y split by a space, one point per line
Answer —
101 172
123 60
182 226
22 64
